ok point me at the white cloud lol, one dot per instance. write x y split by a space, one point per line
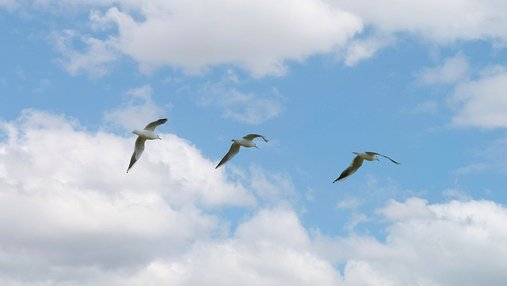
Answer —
71 216
245 107
137 112
482 102
258 36
94 61
262 37
271 248
453 70
362 49
441 22
455 243
69 212
271 186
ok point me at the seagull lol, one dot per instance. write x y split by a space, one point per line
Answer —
148 133
245 142
358 161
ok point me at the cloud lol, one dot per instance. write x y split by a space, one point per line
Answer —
75 218
95 60
246 107
361 49
477 100
269 186
261 37
257 254
137 112
70 209
435 21
455 243
454 69
258 36
71 216
481 102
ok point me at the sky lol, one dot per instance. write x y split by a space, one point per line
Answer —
423 82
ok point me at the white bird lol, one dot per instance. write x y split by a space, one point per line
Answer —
148 133
245 142
358 161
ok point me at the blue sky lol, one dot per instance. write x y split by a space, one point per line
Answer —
423 83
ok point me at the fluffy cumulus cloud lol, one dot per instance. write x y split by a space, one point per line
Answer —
256 254
441 23
71 216
477 99
259 36
482 102
68 208
433 20
455 243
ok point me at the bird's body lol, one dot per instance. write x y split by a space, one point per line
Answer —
246 141
148 133
358 161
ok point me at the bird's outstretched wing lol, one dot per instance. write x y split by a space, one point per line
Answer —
253 136
138 150
356 163
375 153
231 153
151 126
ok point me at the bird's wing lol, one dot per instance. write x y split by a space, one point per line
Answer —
374 153
253 136
138 150
154 124
232 152
356 163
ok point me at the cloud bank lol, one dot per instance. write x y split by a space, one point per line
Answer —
71 216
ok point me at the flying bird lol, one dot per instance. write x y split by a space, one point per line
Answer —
358 161
148 133
247 141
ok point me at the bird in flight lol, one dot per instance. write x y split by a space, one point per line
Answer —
148 133
358 161
246 141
